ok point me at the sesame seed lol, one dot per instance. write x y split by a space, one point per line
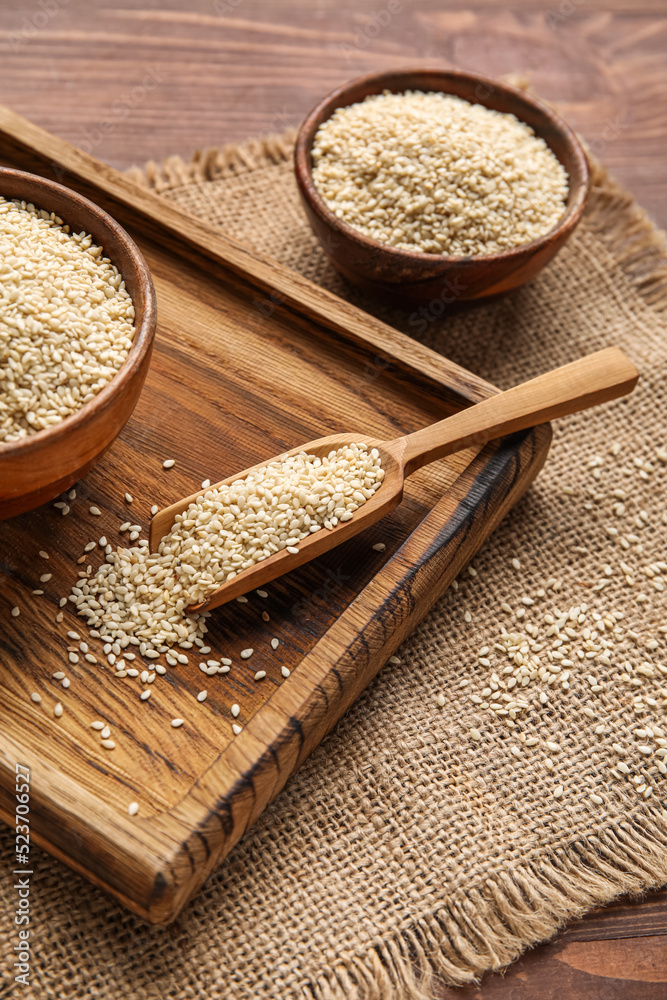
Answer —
262 593
145 694
128 497
475 733
440 700
95 511
235 711
108 744
35 697
242 599
65 682
596 798
168 463
133 809
395 660
246 653
205 484
105 733
57 710
43 554
379 546
202 696
516 564
236 729
275 643
16 611
176 723
558 791
285 671
292 549
97 725
260 675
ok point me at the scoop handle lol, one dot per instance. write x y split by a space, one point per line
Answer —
593 379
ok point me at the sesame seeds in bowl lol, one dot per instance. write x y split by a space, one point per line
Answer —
434 187
77 321
66 320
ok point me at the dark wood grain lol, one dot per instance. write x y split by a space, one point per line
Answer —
246 69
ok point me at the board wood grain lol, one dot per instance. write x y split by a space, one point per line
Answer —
230 383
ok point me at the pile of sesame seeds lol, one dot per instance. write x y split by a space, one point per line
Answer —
545 650
139 596
66 320
432 173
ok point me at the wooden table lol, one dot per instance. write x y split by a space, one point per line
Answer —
157 77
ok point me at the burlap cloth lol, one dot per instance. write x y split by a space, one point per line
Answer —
404 851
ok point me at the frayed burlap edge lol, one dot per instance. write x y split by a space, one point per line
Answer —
490 926
487 928
215 163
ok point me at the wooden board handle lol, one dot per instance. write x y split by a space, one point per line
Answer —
593 379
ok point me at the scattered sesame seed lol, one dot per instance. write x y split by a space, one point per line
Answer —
379 546
128 497
202 696
285 671
440 700
108 744
95 511
145 694
395 660
246 653
235 711
57 710
236 729
154 509
168 463
35 697
205 484
292 549
16 612
133 809
275 643
176 723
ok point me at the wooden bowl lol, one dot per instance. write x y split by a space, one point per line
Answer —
433 280
39 467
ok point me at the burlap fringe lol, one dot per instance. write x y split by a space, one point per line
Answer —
490 927
215 163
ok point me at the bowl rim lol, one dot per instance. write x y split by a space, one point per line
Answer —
143 334
331 102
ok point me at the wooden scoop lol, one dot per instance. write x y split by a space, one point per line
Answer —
594 379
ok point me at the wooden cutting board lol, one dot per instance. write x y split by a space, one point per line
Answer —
250 359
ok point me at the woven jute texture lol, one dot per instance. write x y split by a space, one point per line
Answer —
407 850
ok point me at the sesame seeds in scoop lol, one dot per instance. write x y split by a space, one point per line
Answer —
141 597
